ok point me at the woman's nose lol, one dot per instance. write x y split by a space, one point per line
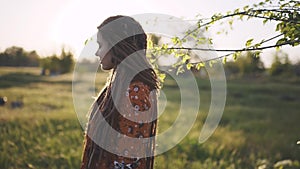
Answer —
98 53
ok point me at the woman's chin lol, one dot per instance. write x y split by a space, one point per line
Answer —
104 68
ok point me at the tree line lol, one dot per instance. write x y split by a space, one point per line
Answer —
249 64
50 65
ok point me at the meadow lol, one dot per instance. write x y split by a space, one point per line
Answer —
259 127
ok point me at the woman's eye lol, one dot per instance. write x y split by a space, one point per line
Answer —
99 45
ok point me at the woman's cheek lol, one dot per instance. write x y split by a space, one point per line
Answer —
103 51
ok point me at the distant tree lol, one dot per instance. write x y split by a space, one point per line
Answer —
57 64
14 56
45 64
5 60
231 69
33 59
248 64
281 65
66 61
17 56
296 68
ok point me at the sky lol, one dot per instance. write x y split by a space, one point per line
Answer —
47 26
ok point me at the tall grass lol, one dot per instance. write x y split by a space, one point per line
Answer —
259 127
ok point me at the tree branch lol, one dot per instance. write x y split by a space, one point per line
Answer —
246 13
238 50
241 50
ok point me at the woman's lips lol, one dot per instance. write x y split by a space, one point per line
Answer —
100 59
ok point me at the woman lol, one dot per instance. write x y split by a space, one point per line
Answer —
122 122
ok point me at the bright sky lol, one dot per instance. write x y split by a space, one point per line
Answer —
46 26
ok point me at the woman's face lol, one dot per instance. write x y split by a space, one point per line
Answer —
104 53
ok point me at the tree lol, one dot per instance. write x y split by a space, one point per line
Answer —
45 64
33 58
57 64
66 61
250 64
296 68
285 13
247 64
281 64
17 56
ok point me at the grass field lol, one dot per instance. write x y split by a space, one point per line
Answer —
259 128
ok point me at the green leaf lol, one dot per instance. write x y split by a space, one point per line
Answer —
246 7
149 44
257 54
189 66
206 28
224 60
185 58
86 41
164 46
281 41
230 22
180 69
176 40
162 77
237 10
201 40
199 65
241 17
249 42
199 24
236 55
211 63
